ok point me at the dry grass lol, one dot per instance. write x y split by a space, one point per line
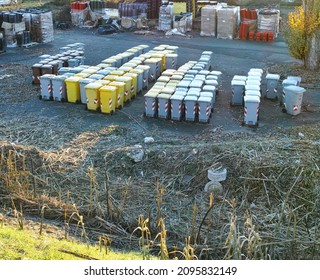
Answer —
269 208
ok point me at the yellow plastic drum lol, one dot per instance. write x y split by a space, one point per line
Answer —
73 89
127 88
108 101
93 96
134 84
120 93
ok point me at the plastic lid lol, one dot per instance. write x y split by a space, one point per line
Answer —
206 93
196 83
108 88
209 88
73 79
179 97
93 85
240 78
190 98
163 79
153 94
273 77
252 92
168 90
200 77
59 78
203 98
86 81
289 82
251 99
253 82
164 96
256 70
252 87
144 67
212 83
217 73
294 89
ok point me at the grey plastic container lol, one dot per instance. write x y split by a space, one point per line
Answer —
191 107
212 83
151 104
204 109
59 88
171 61
177 107
152 71
211 95
46 86
293 100
282 94
164 105
210 88
82 84
251 110
237 90
146 70
272 86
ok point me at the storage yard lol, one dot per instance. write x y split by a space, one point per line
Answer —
129 125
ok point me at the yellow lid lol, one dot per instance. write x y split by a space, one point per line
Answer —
103 82
116 73
116 83
93 85
73 79
108 88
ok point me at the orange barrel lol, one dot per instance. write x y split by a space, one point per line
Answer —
264 36
139 72
108 96
270 36
127 88
120 93
145 69
258 36
93 96
251 35
134 85
36 73
73 89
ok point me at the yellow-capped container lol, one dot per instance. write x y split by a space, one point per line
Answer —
120 93
73 89
110 78
161 56
111 61
93 96
117 73
82 75
134 85
103 82
127 88
108 99
130 64
125 69
104 65
89 71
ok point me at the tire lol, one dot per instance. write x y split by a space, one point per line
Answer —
284 110
40 97
63 100
51 98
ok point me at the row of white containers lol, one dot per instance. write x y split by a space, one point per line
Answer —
246 91
185 94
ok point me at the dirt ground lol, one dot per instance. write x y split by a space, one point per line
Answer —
65 141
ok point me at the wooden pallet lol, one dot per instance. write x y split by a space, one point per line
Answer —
32 44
